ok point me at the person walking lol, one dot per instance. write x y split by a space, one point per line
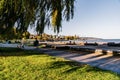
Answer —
36 43
22 43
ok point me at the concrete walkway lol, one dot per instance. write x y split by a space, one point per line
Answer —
105 62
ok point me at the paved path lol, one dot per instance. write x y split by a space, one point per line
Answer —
106 62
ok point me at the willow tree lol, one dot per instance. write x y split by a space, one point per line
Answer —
34 13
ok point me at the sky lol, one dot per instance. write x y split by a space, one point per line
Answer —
94 18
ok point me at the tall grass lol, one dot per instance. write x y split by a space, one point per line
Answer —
17 64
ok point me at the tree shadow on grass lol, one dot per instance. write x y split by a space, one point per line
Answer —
59 64
76 66
17 52
73 66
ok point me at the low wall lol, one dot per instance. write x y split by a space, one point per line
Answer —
8 45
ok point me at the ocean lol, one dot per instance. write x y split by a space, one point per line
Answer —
99 40
96 40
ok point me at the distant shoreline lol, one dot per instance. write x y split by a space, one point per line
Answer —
81 42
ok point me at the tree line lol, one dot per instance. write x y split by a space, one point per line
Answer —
47 37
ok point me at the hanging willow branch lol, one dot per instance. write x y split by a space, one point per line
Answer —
41 13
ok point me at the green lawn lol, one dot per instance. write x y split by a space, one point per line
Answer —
17 64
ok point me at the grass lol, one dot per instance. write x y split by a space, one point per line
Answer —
17 64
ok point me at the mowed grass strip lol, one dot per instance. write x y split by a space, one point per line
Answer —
17 64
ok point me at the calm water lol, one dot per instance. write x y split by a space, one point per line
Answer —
95 40
104 40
